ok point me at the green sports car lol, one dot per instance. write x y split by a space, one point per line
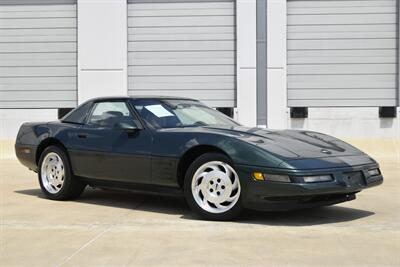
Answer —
180 146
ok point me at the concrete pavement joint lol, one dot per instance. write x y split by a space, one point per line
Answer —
84 246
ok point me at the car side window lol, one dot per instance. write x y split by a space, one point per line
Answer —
78 115
110 114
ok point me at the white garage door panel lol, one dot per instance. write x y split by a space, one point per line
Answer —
37 104
344 35
183 86
341 19
330 29
343 102
349 94
166 6
182 79
37 83
198 94
38 96
37 71
181 58
31 14
38 54
181 21
181 12
183 49
354 44
342 81
181 70
341 10
342 53
37 23
37 35
37 59
341 3
180 30
343 69
182 36
341 56
37 7
181 46
38 47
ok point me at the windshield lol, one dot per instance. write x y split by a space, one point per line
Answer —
171 113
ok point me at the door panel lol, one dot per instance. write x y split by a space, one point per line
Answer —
105 151
131 156
113 155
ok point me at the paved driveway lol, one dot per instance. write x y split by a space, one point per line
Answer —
120 229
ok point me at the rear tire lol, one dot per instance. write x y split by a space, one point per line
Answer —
212 187
55 175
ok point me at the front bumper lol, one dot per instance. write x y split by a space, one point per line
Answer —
268 195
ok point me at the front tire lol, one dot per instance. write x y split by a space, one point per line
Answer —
55 175
212 187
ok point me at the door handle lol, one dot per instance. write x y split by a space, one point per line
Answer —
82 135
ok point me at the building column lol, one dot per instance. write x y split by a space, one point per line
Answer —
277 111
102 48
246 57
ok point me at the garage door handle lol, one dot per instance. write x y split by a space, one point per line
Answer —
82 135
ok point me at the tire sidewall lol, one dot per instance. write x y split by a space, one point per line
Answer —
67 173
227 215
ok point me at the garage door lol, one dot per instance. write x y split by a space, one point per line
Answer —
38 54
342 53
182 48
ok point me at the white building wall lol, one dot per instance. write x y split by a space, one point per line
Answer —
276 64
351 122
102 48
246 62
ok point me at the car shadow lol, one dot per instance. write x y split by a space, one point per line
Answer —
176 205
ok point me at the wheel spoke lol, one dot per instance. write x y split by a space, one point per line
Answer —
235 183
201 175
214 167
219 206
53 182
230 199
198 189
59 166
205 202
227 170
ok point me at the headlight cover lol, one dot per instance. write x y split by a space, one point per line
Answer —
271 177
318 178
373 172
277 178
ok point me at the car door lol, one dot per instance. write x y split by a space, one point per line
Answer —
113 145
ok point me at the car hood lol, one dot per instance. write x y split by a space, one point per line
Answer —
291 144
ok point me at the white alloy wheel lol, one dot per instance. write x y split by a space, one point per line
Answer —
52 173
216 187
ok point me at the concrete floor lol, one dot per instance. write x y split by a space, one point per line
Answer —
126 229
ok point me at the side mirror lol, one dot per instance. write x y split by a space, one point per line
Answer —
129 127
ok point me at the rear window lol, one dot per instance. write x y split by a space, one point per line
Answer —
78 115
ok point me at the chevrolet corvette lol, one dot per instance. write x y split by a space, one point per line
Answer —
168 145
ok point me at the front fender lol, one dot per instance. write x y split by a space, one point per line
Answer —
241 152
